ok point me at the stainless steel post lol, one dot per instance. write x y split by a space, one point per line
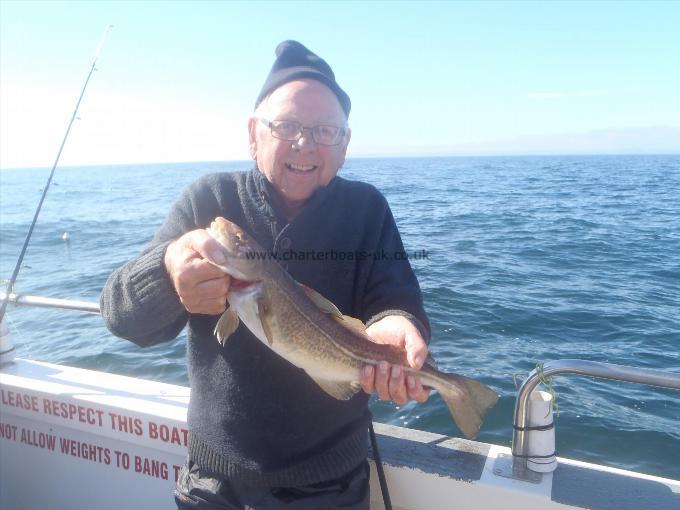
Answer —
578 367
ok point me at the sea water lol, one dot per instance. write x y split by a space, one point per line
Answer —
521 260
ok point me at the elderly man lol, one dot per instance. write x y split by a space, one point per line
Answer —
262 433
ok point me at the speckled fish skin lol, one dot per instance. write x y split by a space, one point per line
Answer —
332 349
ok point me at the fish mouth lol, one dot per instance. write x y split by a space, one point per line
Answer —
238 284
242 290
300 169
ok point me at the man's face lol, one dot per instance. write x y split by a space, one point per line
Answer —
298 168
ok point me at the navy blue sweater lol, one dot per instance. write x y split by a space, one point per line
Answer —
253 416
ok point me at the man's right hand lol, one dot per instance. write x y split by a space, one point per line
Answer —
201 287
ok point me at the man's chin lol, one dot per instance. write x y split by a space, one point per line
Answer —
297 198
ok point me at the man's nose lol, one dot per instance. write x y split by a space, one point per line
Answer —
306 140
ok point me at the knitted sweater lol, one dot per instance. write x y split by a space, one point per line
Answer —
253 416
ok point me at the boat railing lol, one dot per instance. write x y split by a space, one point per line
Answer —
7 350
46 302
517 468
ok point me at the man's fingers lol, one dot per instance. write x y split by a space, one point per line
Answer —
205 270
201 286
402 333
213 307
198 304
382 378
209 249
215 288
368 379
397 386
415 389
392 383
416 350
194 273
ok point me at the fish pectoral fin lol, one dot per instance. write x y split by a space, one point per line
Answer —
264 316
342 390
321 302
226 326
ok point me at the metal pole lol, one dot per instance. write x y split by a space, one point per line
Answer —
46 302
578 367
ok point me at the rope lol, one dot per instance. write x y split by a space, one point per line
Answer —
548 383
537 427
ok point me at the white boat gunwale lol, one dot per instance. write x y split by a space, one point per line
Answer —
418 464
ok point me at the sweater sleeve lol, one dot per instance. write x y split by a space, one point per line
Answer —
138 301
392 287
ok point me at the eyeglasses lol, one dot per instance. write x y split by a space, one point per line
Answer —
323 134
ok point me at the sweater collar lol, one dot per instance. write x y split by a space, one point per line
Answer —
271 202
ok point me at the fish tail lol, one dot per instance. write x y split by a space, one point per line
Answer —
467 400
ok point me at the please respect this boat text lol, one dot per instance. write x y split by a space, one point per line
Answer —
99 418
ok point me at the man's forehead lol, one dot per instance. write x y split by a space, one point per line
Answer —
305 97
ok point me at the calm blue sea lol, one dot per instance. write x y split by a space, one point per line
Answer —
529 259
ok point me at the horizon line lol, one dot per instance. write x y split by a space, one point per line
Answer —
365 156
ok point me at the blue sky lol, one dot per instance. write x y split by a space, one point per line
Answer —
177 80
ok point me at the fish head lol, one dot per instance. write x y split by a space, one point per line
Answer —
245 258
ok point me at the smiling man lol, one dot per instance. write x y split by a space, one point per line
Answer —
298 160
263 435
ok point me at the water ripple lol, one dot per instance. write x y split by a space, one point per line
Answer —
529 259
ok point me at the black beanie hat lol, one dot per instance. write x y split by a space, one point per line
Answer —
294 61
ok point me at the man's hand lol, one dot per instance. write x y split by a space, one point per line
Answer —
201 287
390 381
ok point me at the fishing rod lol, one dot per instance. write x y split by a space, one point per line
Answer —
13 279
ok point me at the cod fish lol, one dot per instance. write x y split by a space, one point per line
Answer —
309 331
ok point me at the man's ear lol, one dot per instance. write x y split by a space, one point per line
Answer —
252 136
345 144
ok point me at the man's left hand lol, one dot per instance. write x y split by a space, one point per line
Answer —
389 380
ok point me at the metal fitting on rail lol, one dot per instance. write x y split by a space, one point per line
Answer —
600 370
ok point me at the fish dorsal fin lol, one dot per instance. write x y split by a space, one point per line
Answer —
327 307
342 390
226 326
352 323
321 302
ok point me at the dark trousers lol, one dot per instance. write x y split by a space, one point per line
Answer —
198 489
